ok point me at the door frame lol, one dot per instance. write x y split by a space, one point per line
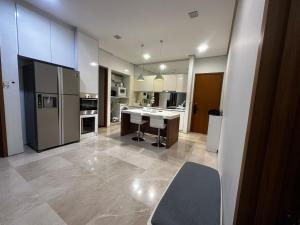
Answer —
105 94
274 110
193 90
3 141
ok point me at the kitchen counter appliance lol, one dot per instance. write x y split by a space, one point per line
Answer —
118 91
88 115
51 105
88 104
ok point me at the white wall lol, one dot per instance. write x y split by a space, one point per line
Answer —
210 65
202 65
9 62
114 63
189 94
238 84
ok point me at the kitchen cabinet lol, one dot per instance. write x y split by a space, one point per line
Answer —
158 85
146 85
87 63
181 84
62 45
33 34
170 82
181 121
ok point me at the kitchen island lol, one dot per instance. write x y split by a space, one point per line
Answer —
171 120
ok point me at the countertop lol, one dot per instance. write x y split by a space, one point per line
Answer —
169 115
157 108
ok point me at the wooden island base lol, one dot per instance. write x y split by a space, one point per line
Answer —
170 132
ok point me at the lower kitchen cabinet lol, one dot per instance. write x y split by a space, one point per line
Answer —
181 122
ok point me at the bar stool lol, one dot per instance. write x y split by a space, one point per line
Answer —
159 123
136 118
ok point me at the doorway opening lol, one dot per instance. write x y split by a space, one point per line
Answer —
3 142
207 96
103 88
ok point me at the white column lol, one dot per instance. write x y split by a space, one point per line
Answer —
109 97
9 61
189 94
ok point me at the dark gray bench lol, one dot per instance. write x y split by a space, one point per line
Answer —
193 198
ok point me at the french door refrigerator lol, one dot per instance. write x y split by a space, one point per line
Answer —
51 105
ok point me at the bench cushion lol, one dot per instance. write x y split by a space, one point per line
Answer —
193 198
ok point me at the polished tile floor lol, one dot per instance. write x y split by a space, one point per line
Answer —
104 180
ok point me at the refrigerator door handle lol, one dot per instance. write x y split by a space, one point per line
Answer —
60 101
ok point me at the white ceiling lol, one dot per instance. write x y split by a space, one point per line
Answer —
149 21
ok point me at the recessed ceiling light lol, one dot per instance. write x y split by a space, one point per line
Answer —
118 37
202 48
146 56
126 70
93 64
162 66
193 14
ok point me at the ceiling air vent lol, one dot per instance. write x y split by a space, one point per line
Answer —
118 37
193 14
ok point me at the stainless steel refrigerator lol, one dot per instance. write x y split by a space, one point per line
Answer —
51 105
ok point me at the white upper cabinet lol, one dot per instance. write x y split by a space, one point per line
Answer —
170 82
87 48
146 85
158 85
62 45
138 85
181 85
33 34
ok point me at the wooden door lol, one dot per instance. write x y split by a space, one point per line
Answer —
3 143
270 178
103 86
207 95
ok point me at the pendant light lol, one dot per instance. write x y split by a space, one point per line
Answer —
159 76
141 76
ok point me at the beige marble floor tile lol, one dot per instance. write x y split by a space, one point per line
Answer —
145 190
58 182
79 205
116 170
205 158
39 215
135 219
16 196
133 157
41 167
4 164
30 155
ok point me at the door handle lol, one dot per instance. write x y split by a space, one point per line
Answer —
195 109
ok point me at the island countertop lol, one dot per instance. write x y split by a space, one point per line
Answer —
167 115
171 119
